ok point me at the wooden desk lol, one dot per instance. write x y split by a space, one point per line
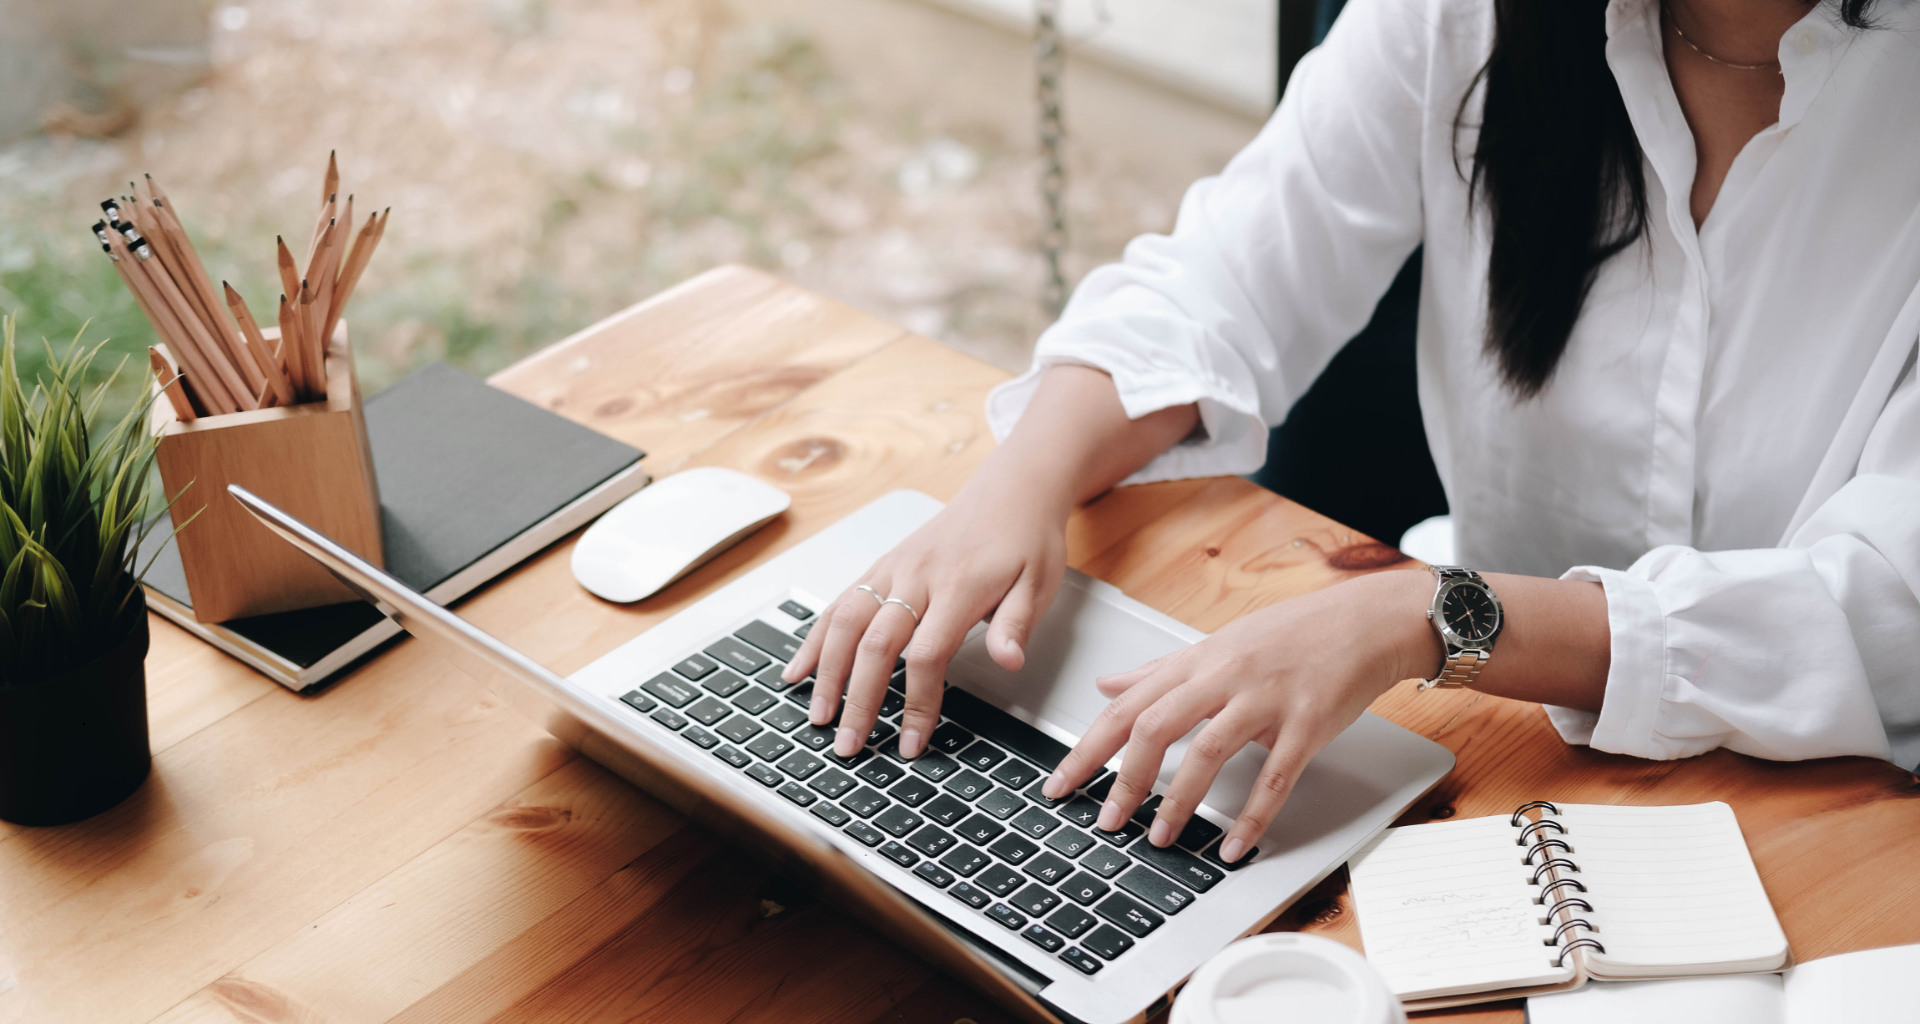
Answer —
401 846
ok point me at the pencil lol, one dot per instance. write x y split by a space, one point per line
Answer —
202 379
203 340
323 274
277 382
319 226
223 328
169 379
126 275
330 184
290 343
289 272
313 349
201 320
363 247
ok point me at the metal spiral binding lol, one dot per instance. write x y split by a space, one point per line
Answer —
1533 835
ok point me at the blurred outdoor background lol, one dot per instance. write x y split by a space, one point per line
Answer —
549 162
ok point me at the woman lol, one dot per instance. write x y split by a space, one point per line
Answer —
1666 355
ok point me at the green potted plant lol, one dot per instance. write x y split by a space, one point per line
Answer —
73 622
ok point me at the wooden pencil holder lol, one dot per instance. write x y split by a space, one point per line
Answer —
312 460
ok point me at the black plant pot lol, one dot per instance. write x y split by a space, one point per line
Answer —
75 745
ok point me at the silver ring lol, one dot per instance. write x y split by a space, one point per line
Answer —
870 590
903 604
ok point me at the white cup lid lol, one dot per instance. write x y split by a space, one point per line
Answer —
1287 976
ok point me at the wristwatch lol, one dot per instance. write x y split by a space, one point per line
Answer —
1466 613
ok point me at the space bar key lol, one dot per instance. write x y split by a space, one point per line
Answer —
992 724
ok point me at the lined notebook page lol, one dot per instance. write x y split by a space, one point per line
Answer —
1674 891
1446 909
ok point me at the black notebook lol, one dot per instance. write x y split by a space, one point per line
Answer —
472 481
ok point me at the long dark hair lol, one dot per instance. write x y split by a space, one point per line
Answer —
1559 169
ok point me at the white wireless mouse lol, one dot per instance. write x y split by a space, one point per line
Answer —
671 528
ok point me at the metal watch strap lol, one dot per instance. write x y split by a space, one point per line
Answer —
1461 667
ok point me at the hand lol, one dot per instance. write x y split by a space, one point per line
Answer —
1289 677
999 548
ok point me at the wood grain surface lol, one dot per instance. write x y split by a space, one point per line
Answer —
402 847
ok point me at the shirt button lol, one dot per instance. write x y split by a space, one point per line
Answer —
1806 40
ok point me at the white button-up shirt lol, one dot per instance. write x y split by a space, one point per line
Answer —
1731 443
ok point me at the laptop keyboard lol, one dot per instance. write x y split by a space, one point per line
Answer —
966 817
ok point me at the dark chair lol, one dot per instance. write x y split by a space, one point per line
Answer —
1353 447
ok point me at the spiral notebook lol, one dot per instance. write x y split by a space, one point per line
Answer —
1546 898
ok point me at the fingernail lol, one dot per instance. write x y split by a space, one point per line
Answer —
817 711
910 742
1161 834
846 742
1110 817
786 675
1231 850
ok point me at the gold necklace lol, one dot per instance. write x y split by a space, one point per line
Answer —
1772 65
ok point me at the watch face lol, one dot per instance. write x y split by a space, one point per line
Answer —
1470 613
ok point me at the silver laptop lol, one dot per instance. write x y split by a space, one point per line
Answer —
955 853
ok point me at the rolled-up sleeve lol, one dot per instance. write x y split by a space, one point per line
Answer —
1807 650
1272 265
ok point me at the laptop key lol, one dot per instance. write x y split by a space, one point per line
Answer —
950 738
777 642
866 834
769 746
1156 889
832 783
935 767
964 860
1123 911
934 875
1016 775
1144 813
737 656
1101 786
1034 900
892 704
764 775
1107 941
967 784
1035 822
739 728
1048 868
1043 938
733 756
981 756
969 895
1071 921
667 717
1081 811
831 813
798 794
700 737
724 683
769 677
1007 732
1127 833
859 757
1183 867
866 802
999 880
945 810
913 792
899 854
814 737
897 821
801 765
1007 915
755 700
1080 961
696 666
1001 804
639 701
881 773
1013 848
708 711
880 733
676 691
1083 888
1104 862
802 694
796 610
783 718
804 630
931 840
1212 854
980 829
1069 842
1033 793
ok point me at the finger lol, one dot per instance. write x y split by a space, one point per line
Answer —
942 630
1108 733
846 623
1158 727
879 649
1118 683
1013 620
1222 738
1290 754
